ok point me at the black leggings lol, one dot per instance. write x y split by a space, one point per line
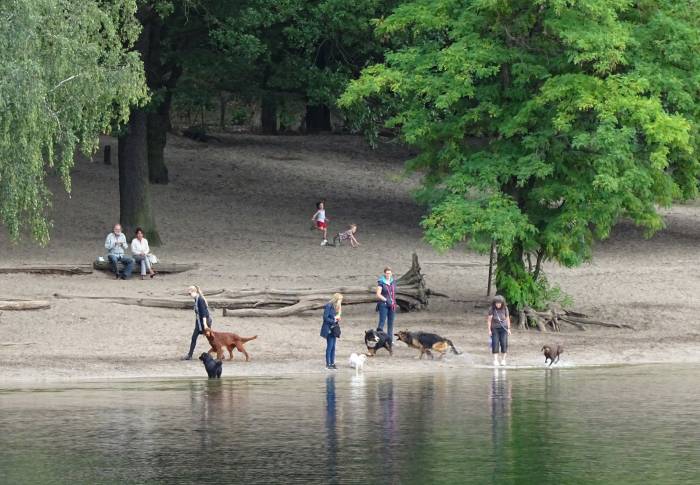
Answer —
195 336
499 337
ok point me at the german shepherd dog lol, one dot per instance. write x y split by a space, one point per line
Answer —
426 343
552 353
375 340
221 341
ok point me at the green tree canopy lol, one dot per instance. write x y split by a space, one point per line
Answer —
66 75
540 123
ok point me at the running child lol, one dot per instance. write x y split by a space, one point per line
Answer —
347 235
321 221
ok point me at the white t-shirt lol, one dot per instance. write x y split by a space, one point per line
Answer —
138 247
321 215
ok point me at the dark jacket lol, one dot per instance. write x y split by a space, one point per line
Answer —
201 311
328 320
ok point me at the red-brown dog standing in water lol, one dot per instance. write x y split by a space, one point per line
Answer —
227 340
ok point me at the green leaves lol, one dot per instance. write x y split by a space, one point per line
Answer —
65 77
540 124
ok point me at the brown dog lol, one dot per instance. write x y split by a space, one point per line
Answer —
552 353
227 340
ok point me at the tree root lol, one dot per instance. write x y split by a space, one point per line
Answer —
551 319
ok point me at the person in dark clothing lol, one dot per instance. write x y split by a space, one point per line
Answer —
498 322
203 318
330 329
386 293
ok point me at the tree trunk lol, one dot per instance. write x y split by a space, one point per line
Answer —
134 194
318 118
268 117
158 125
222 111
162 79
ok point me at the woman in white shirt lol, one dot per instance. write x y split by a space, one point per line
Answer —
141 251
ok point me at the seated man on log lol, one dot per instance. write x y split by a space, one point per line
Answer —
116 244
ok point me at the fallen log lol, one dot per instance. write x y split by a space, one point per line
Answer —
21 305
58 269
411 294
162 268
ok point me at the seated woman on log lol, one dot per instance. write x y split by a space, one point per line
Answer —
142 253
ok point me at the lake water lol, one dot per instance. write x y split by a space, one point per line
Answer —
611 425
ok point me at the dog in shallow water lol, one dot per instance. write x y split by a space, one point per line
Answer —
552 353
427 343
213 367
375 340
227 340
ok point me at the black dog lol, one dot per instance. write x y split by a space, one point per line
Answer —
375 340
212 365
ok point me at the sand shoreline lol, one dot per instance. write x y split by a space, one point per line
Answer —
244 218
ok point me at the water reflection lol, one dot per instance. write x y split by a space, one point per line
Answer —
535 426
331 431
500 398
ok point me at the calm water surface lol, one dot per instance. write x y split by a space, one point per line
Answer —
568 426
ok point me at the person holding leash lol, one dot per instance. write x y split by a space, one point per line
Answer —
202 317
498 322
330 329
386 293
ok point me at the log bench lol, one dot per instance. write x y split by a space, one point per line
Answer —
161 268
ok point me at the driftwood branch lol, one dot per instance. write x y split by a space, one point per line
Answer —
20 305
552 317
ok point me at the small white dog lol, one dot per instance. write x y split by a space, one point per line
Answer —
357 361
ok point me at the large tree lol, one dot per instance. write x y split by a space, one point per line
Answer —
66 75
540 124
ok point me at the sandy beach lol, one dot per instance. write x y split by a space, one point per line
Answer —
240 208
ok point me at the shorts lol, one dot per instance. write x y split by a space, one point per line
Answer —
321 224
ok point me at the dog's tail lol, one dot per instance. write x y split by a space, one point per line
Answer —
248 339
457 352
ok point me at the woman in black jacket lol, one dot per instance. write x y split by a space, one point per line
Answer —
330 329
202 317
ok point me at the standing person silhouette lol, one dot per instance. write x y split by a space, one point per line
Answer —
386 293
202 317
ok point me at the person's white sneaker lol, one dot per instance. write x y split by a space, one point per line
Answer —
503 362
495 361
324 242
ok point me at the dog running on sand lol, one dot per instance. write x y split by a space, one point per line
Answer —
427 342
